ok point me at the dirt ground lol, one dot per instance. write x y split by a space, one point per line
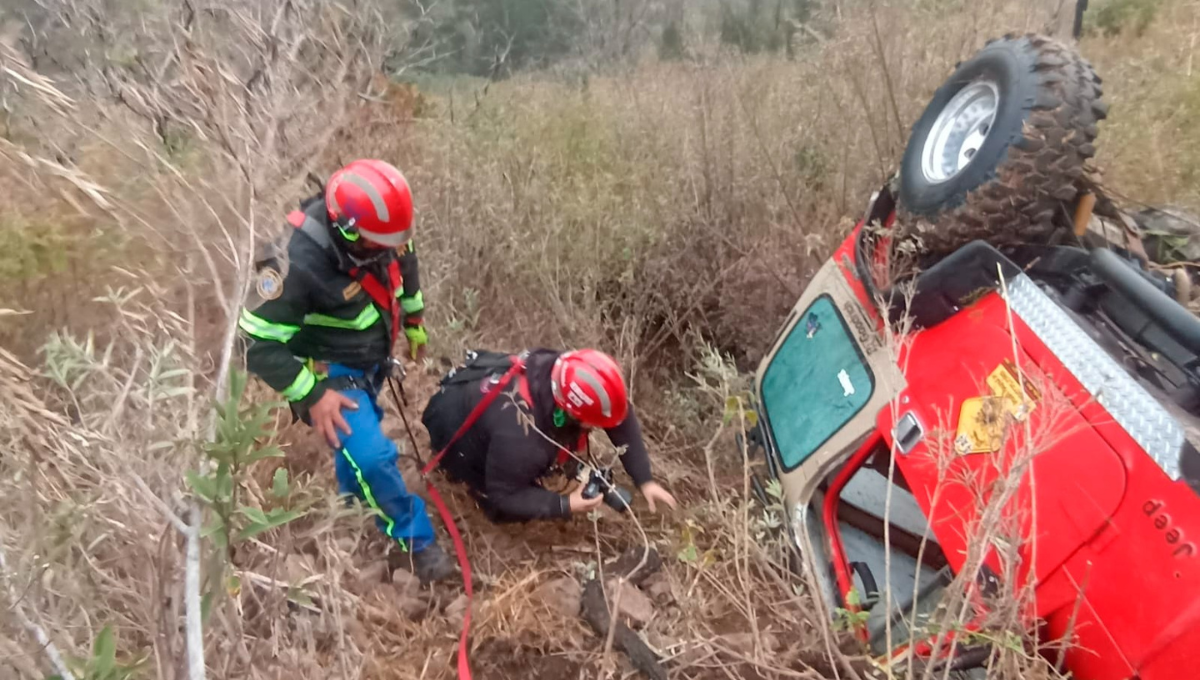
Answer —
517 634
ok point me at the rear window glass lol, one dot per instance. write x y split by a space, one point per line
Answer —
817 382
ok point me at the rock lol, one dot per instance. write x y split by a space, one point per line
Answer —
633 603
561 595
389 597
658 587
455 610
744 642
405 581
414 608
371 574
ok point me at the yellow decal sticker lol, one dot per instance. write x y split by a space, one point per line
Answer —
350 291
1004 383
270 283
982 420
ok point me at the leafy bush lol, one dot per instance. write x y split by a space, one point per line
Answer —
499 37
1113 17
670 47
764 27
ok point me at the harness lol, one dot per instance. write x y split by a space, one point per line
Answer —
489 368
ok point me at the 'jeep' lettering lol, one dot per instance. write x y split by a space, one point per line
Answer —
1155 510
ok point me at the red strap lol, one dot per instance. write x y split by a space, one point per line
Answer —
523 388
460 548
563 454
394 283
384 297
518 366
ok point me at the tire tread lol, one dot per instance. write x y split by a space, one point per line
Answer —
1045 164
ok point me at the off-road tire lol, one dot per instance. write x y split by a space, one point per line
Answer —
1021 185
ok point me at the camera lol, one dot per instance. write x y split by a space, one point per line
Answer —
600 481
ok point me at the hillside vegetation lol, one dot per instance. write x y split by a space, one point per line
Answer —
655 178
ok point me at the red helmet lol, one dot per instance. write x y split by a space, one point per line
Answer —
587 384
372 199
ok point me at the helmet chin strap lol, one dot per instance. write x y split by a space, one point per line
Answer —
350 238
364 261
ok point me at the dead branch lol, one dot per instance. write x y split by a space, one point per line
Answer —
595 611
32 627
195 620
636 565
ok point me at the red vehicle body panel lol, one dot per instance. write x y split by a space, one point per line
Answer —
949 364
1117 544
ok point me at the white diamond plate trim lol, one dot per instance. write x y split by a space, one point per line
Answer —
1134 409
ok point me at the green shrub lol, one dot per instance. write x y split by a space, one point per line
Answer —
1113 17
34 250
671 47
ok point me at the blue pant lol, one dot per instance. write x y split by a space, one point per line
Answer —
366 467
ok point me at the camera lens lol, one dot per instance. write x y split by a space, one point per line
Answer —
618 499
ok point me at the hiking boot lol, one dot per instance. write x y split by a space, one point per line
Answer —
432 565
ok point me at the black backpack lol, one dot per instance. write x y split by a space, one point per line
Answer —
480 364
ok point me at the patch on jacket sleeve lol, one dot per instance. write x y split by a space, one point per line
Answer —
271 260
270 283
350 291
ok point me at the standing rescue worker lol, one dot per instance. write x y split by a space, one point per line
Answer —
501 458
330 299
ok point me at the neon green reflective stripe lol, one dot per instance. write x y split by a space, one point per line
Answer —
365 319
258 327
414 304
303 384
391 524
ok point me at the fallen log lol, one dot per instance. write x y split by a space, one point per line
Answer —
595 612
625 565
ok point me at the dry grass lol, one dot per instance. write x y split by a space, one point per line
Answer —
656 211
1150 148
641 206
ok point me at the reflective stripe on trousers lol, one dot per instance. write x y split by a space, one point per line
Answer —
366 468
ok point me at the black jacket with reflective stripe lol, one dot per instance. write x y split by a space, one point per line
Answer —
315 309
501 458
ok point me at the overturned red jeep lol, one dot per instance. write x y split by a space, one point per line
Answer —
985 403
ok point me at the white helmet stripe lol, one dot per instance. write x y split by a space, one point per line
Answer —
392 240
381 209
594 382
